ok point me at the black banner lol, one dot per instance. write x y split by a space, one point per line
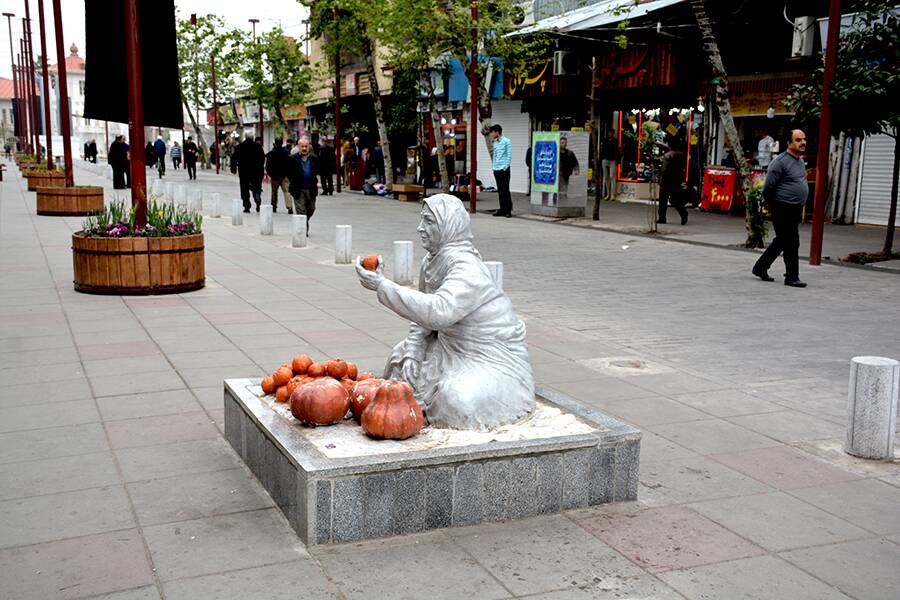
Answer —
106 77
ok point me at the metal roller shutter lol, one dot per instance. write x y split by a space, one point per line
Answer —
517 127
875 180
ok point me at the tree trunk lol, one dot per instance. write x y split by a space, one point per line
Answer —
204 153
375 92
485 117
892 213
756 224
438 134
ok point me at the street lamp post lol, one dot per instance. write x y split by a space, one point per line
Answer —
135 111
262 132
29 90
473 109
47 130
215 112
35 106
12 57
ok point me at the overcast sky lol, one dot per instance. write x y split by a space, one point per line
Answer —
288 13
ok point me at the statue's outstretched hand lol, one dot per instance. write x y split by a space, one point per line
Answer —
370 279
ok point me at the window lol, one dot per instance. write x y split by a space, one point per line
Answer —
81 86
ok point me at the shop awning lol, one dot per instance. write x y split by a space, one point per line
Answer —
604 12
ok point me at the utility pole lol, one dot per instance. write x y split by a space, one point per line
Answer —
215 111
47 129
135 111
473 110
65 118
818 225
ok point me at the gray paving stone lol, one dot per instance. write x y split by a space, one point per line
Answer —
197 495
53 475
727 403
865 569
158 430
23 394
542 554
713 436
151 404
21 418
136 383
757 578
693 479
221 543
790 426
788 522
79 567
183 458
52 442
646 587
40 519
122 365
784 468
868 503
284 581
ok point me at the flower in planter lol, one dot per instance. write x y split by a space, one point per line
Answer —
163 220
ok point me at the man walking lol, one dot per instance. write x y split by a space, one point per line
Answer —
501 159
671 178
303 175
159 147
116 156
175 155
276 167
326 167
247 161
568 164
785 192
191 153
609 156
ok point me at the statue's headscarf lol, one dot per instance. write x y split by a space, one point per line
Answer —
456 235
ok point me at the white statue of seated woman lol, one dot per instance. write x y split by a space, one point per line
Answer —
465 356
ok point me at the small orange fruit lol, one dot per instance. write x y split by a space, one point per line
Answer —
268 385
337 368
352 370
316 370
281 395
365 375
282 375
370 262
301 363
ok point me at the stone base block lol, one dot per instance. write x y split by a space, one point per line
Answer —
333 500
559 212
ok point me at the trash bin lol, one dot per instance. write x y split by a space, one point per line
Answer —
355 175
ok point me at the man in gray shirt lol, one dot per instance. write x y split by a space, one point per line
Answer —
785 193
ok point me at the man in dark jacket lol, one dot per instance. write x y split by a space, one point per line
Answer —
326 167
118 160
303 174
276 167
671 178
159 148
191 153
247 161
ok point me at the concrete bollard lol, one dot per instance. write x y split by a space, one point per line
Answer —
180 195
215 208
195 198
170 192
872 407
298 231
108 171
156 187
403 262
237 212
266 220
496 269
343 242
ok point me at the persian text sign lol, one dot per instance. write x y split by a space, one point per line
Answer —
545 162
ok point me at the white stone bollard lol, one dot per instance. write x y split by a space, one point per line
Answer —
237 212
872 407
266 220
170 192
215 209
298 233
108 171
343 242
180 195
156 187
496 269
196 200
403 262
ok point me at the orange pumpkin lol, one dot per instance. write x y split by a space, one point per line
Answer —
282 375
370 262
352 370
362 395
348 384
316 370
337 368
296 381
320 402
281 395
268 385
394 413
365 375
300 364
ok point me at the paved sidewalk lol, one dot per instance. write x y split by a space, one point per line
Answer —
115 480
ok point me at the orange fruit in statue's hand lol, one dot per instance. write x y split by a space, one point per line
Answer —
301 363
282 375
281 395
268 385
370 262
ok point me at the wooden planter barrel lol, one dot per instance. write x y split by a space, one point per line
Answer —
138 266
78 201
38 179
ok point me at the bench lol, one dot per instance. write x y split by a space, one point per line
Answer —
407 191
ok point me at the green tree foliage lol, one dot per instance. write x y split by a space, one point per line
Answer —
277 72
864 97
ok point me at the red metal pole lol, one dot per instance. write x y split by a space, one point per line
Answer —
65 125
29 90
215 113
35 106
473 110
47 129
20 123
135 111
337 115
12 58
818 226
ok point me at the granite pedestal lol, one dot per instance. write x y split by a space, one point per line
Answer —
332 500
